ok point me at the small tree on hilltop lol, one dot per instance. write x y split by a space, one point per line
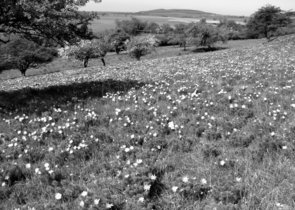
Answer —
22 54
89 50
140 46
266 21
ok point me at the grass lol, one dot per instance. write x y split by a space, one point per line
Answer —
203 131
112 59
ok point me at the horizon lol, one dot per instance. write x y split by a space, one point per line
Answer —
225 7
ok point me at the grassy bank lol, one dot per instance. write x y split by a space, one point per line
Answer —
203 131
112 59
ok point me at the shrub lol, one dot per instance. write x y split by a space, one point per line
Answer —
132 27
284 31
234 31
180 39
166 40
181 36
166 29
152 28
140 46
236 35
118 40
206 35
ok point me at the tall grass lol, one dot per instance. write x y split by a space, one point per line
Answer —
208 131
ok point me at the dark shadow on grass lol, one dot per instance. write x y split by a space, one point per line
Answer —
33 100
207 49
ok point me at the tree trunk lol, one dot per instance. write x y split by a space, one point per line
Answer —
23 67
86 62
23 72
103 61
266 32
210 48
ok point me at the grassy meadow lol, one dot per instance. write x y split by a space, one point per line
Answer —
112 59
205 131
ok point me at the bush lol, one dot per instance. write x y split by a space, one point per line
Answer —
118 40
233 30
166 29
206 35
165 40
152 28
140 46
236 35
132 27
284 31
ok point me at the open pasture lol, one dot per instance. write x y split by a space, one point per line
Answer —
108 20
61 64
205 131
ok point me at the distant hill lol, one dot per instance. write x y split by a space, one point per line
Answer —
184 13
174 13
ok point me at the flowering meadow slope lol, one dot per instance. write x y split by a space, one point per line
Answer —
206 131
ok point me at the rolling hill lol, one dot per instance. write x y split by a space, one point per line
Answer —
184 13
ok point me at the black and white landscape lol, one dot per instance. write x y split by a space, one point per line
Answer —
148 109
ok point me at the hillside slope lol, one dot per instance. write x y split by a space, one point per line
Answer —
266 55
173 12
184 13
206 131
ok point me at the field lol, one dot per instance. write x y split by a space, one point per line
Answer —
113 59
108 20
205 131
191 14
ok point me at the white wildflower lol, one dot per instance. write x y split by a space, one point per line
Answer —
222 162
147 187
58 196
203 181
153 177
84 193
185 179
174 188
96 201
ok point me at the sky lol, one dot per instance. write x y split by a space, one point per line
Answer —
225 7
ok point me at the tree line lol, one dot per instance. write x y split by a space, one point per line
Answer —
35 32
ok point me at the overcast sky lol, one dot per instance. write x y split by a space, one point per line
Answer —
226 7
